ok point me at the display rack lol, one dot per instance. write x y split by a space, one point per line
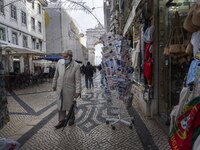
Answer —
129 121
116 62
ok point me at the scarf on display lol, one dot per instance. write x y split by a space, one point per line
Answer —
187 127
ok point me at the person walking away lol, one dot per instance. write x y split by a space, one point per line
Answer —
67 84
89 71
103 74
83 69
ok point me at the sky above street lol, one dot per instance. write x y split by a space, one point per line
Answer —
85 21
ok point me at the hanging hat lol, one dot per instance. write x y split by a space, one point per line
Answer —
188 25
196 15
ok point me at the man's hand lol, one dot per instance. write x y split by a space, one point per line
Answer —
77 95
54 88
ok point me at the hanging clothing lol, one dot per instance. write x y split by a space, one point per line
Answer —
135 55
148 64
148 35
195 41
192 71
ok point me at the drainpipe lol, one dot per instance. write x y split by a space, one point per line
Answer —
61 30
155 101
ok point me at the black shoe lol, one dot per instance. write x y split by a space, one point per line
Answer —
71 122
59 125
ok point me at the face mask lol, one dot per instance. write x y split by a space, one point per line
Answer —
67 61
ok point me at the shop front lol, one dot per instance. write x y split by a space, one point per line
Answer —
173 66
158 78
140 27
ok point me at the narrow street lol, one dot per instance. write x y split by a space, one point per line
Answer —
33 115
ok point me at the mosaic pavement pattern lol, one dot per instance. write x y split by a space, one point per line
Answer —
33 116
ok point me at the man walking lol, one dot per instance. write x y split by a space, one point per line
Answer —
89 71
67 84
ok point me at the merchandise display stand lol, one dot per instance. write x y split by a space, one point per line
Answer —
120 119
117 65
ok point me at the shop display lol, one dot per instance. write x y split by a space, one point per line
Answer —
116 61
148 57
185 123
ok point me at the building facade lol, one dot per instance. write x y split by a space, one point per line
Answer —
22 33
62 33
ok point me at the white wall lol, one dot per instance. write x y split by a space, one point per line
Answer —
98 55
62 33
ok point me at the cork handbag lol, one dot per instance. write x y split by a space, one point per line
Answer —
175 45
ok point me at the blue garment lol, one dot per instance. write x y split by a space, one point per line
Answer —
192 71
67 61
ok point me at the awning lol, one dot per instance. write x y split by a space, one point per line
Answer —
131 16
15 49
52 57
56 58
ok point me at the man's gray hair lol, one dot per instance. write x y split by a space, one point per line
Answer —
69 52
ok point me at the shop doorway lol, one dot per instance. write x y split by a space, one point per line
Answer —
174 70
16 65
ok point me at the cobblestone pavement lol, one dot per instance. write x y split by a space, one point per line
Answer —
33 115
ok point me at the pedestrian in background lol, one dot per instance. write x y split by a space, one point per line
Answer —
83 69
89 71
102 74
67 84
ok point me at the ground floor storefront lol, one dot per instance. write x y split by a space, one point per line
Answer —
159 77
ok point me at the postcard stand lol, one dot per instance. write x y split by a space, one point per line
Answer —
116 63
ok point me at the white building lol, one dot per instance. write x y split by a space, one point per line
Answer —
22 33
62 33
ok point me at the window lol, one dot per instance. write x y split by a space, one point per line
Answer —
2 34
39 27
41 45
13 12
33 23
14 38
33 43
2 6
39 8
23 17
33 5
37 46
25 41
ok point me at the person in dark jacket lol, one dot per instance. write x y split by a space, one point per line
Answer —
89 71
